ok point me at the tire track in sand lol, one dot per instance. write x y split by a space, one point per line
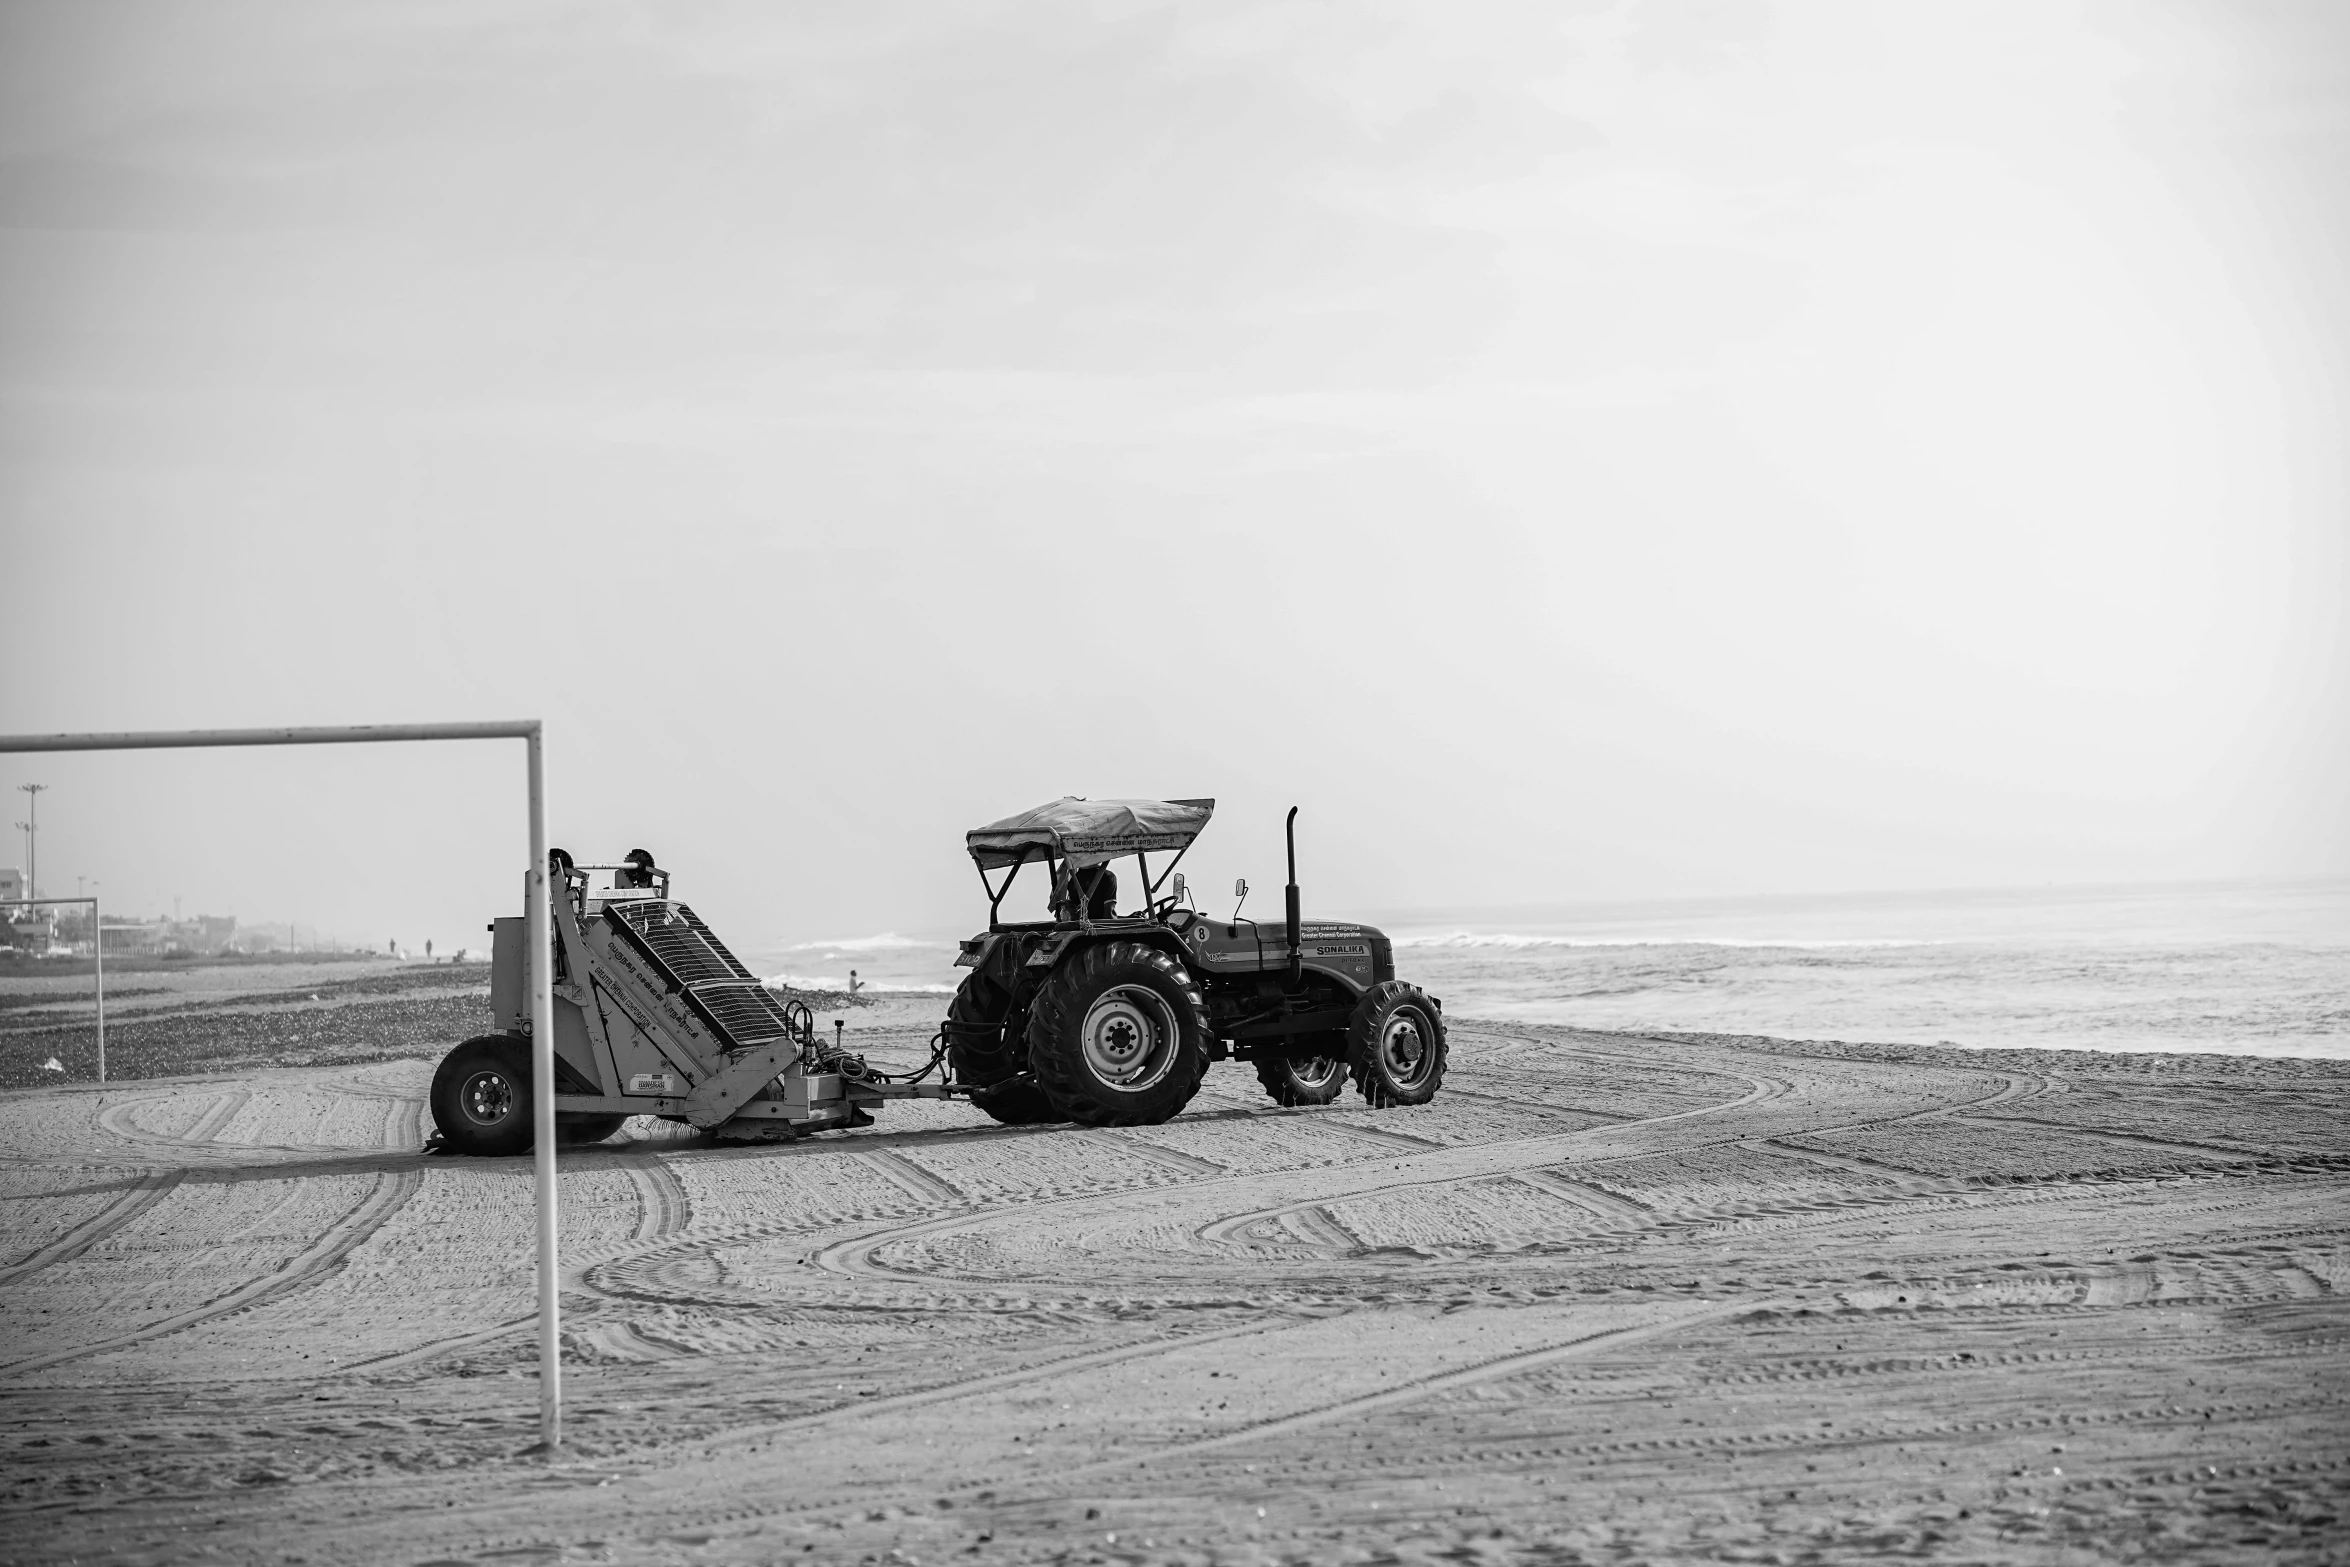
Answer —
1438 1166
1591 1199
144 1193
1425 1168
1308 1213
923 1185
997 1381
1484 1161
662 1210
1518 1449
386 1196
1148 1152
662 1207
1497 1368
644 1272
122 1121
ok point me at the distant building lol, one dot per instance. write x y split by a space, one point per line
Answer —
207 932
204 935
21 926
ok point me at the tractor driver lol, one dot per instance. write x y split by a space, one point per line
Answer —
636 870
1091 893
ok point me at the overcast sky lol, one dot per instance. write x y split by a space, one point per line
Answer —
1574 451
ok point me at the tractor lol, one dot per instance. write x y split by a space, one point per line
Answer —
1092 1016
1110 1019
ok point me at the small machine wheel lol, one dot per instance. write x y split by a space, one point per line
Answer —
481 1096
1395 1046
1297 1080
1119 1036
984 1052
578 1128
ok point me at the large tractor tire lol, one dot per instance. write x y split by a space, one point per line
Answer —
1119 1036
1299 1080
1395 1046
985 1053
481 1096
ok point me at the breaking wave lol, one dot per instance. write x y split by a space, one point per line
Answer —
840 982
1464 940
887 941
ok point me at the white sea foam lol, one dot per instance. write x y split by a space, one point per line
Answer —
864 986
2233 996
1461 940
887 941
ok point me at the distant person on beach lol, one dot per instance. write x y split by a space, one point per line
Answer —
428 949
854 984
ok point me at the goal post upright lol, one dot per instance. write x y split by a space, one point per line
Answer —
532 733
541 930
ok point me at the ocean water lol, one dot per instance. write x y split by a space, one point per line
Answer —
2242 968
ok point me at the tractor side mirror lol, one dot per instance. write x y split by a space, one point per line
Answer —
1178 889
1240 888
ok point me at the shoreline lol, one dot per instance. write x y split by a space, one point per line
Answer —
393 1010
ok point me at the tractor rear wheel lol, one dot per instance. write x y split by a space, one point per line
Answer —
1119 1036
983 1052
481 1096
1395 1046
1302 1080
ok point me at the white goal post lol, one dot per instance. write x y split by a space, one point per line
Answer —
542 997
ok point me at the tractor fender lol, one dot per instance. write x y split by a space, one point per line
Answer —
976 950
1061 945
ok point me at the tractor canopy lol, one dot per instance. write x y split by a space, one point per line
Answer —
1088 832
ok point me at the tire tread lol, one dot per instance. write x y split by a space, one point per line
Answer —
1052 1019
1363 1030
510 1052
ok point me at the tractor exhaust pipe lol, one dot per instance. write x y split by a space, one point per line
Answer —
1296 971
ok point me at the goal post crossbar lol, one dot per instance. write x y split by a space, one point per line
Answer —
531 732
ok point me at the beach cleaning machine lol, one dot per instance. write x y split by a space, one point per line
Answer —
653 1016
1091 1015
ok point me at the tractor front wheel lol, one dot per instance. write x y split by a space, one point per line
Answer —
1395 1046
1119 1036
481 1096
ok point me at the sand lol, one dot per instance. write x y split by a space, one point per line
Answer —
1609 1299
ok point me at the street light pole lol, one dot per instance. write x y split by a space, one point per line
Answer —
32 838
